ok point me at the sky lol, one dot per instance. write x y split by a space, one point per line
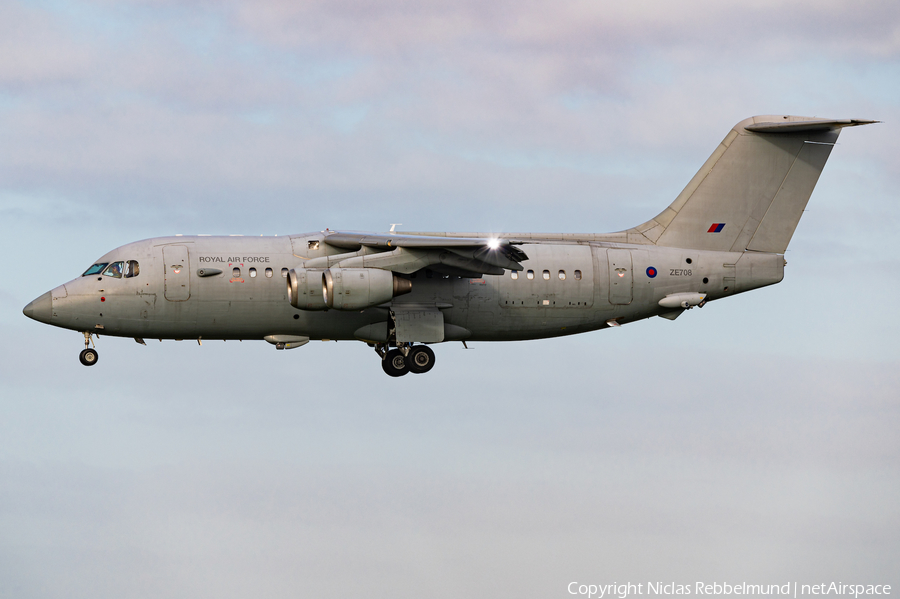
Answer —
751 441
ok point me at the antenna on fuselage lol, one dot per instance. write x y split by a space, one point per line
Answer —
393 225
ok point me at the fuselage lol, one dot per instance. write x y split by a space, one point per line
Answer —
564 288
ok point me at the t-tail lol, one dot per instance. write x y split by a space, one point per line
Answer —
751 192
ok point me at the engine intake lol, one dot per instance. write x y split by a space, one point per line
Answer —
304 286
360 288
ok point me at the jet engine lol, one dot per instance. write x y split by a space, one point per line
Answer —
360 288
304 288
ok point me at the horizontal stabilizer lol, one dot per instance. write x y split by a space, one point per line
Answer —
801 126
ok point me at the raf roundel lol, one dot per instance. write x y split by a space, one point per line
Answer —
651 272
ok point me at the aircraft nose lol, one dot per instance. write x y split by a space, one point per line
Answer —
40 309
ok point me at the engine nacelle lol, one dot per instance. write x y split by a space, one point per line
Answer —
360 288
305 289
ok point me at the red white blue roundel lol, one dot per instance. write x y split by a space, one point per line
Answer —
651 272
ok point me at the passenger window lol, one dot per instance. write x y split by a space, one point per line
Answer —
252 273
268 273
577 275
530 274
562 275
514 275
236 272
114 270
546 275
95 269
314 244
132 269
284 273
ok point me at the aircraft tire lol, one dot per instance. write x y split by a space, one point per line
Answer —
394 363
421 359
88 357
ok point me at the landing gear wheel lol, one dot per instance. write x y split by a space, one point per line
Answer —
394 363
89 357
420 359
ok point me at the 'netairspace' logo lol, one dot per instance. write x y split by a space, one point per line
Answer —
791 589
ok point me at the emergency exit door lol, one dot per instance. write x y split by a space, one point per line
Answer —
620 276
178 272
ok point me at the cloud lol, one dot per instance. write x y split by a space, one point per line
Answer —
728 442
326 103
37 49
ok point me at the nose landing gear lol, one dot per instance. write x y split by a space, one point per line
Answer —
417 359
88 355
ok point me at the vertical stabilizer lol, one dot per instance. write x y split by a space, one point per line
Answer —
750 194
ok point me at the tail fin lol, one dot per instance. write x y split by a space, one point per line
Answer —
751 192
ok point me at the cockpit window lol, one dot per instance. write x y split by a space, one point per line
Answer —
132 269
95 269
126 268
114 270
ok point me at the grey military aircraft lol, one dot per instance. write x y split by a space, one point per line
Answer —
726 233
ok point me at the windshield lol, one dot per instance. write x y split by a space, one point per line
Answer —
114 270
95 269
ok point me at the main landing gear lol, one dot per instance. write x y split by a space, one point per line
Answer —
88 355
417 359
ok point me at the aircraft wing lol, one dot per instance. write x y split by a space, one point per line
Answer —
469 256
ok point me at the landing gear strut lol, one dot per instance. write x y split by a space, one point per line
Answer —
417 359
88 355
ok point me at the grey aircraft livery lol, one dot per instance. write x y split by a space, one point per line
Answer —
726 233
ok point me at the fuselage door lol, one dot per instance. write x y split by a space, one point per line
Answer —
178 272
620 277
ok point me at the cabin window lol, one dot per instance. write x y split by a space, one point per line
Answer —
132 269
268 273
236 272
95 269
313 244
562 275
530 274
252 273
514 275
546 275
283 273
114 270
577 275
